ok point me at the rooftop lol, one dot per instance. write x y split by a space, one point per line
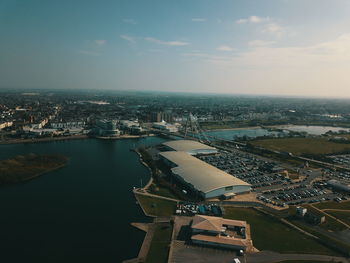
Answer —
189 146
201 175
219 225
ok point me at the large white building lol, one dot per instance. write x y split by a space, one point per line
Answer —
163 126
190 147
202 177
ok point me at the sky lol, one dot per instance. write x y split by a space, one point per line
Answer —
262 47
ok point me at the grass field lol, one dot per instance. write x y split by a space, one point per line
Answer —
162 191
157 207
331 224
298 146
341 215
26 167
268 233
158 252
334 205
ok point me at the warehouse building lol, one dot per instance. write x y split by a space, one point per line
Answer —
202 177
190 147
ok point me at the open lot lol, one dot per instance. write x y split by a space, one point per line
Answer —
155 206
341 215
299 146
268 233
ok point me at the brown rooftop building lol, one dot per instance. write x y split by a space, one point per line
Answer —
220 232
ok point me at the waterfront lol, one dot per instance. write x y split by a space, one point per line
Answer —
80 213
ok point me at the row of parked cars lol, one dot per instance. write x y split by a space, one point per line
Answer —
247 167
190 209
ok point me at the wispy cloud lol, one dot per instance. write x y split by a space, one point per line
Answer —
128 38
274 29
129 21
326 55
90 53
253 20
224 48
100 42
260 43
199 19
167 43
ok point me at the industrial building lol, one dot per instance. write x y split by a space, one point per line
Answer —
200 176
220 232
190 147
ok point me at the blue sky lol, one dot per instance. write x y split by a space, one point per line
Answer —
286 47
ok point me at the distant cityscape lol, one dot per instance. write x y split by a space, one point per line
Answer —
221 164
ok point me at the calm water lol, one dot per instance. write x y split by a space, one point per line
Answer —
231 134
80 213
315 130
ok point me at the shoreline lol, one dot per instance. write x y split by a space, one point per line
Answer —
277 126
53 139
234 129
72 137
32 177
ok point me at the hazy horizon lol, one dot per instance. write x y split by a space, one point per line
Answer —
243 48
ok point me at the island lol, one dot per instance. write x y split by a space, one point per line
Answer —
26 167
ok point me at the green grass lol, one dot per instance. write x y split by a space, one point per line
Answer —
268 233
341 215
157 207
334 205
26 167
162 191
158 252
299 146
338 245
330 224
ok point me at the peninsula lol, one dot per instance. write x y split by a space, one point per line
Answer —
25 167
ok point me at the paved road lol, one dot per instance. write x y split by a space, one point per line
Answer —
271 257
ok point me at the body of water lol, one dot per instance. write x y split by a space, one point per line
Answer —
80 213
231 134
315 130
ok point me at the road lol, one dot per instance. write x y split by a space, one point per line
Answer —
271 257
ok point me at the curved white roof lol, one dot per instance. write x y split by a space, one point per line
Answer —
191 147
204 177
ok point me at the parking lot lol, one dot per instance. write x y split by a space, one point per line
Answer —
274 187
249 168
343 159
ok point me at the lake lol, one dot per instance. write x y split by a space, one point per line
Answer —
80 213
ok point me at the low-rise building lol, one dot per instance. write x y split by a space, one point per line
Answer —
220 232
201 177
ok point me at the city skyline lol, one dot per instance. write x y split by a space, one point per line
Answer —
285 48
